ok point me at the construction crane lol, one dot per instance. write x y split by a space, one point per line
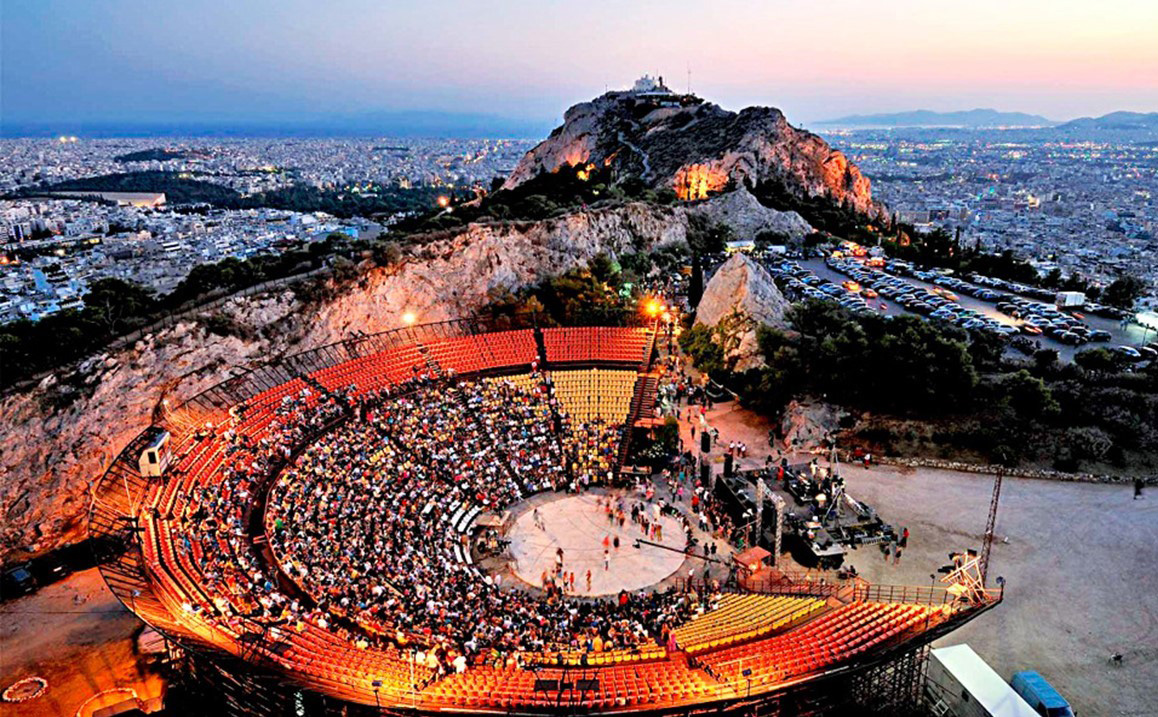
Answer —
991 524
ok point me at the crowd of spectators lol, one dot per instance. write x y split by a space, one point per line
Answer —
363 521
209 521
591 446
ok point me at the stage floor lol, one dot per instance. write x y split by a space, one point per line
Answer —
578 524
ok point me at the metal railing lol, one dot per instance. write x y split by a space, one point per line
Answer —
917 595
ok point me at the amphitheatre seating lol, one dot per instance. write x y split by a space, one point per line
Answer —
595 393
642 653
523 380
508 348
833 637
743 617
461 354
597 343
199 566
260 409
372 372
645 683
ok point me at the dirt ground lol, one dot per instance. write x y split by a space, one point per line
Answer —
1080 561
1081 565
79 638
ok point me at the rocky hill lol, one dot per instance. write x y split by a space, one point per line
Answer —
59 437
696 149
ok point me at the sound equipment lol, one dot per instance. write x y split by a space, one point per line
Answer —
728 465
705 442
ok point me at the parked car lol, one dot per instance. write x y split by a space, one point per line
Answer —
17 581
1040 695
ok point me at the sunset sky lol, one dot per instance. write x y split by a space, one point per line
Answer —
270 60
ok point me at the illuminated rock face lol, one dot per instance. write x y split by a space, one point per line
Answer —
698 181
697 149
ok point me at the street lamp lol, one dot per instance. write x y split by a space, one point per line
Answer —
409 317
653 308
377 685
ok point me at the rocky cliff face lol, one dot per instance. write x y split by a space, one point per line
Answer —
807 425
739 298
697 148
50 453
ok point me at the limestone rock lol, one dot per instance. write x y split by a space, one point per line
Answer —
696 148
741 296
806 424
746 216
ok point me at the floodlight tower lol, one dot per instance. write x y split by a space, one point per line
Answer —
991 524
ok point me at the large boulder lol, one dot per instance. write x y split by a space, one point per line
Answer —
739 298
808 424
747 217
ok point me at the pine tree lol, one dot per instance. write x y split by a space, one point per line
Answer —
696 284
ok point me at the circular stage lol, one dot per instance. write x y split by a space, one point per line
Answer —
578 524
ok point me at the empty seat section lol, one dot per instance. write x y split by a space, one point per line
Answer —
738 618
665 682
507 348
373 372
595 393
459 354
601 343
825 641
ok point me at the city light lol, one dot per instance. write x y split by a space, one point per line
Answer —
409 318
443 201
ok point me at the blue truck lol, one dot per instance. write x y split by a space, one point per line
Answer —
1040 695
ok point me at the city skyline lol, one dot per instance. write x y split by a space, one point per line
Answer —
127 62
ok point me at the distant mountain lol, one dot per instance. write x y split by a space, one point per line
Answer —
412 123
928 118
1115 121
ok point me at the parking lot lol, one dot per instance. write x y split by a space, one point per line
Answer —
985 311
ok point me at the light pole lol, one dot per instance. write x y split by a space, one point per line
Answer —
377 685
413 696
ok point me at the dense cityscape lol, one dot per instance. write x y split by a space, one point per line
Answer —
1084 207
1081 208
55 247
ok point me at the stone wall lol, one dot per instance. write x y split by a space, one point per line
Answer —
989 469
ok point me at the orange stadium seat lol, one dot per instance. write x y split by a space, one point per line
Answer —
598 343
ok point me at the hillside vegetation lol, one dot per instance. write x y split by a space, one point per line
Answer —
926 389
